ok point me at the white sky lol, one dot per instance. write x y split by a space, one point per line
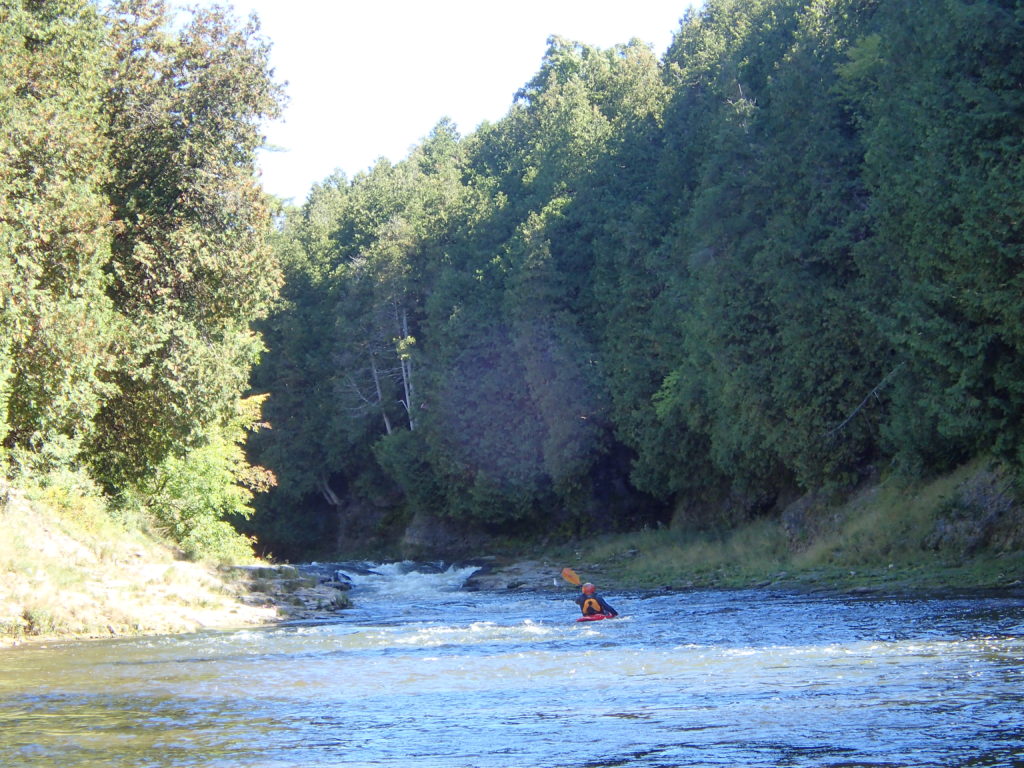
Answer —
371 78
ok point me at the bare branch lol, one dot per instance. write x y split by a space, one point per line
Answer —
354 386
872 394
327 492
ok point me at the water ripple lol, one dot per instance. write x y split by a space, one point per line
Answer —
510 681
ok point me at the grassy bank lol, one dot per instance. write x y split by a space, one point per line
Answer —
962 531
67 569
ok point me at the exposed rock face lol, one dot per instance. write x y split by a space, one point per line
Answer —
526 575
803 520
367 523
296 593
429 536
727 507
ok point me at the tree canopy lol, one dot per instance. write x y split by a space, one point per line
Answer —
784 256
134 251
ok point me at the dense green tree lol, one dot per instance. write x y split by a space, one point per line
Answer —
197 497
717 327
297 369
133 255
942 110
769 263
346 344
57 327
190 265
776 347
825 354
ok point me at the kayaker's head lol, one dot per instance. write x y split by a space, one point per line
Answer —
589 589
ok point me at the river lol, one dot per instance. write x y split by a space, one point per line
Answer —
422 673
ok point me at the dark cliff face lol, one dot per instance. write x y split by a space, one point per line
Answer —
429 536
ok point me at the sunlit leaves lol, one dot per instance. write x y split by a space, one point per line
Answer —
133 253
191 267
56 322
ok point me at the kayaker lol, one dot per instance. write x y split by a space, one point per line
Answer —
592 603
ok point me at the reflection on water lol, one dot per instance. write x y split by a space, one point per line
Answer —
423 674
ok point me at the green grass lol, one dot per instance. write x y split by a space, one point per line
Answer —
40 621
691 558
68 568
876 540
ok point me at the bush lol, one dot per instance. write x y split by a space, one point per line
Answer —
190 497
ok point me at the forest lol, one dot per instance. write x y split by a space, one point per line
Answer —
783 258
134 260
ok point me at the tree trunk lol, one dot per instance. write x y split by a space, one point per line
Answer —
380 394
328 493
405 361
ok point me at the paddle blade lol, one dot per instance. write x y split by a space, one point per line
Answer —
570 575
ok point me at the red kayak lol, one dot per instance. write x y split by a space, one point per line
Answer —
595 617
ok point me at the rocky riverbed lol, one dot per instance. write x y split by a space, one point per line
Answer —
295 591
320 590
540 575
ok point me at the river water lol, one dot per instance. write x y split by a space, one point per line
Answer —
422 673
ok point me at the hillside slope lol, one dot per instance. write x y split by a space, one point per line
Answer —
75 573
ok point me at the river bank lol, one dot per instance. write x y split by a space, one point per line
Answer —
961 531
79 575
153 594
76 573
984 576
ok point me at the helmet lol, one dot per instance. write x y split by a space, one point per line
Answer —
589 589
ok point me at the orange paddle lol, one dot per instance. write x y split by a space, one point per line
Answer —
570 575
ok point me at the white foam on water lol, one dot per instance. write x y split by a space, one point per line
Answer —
477 633
407 578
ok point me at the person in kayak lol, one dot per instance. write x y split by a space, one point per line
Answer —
592 603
